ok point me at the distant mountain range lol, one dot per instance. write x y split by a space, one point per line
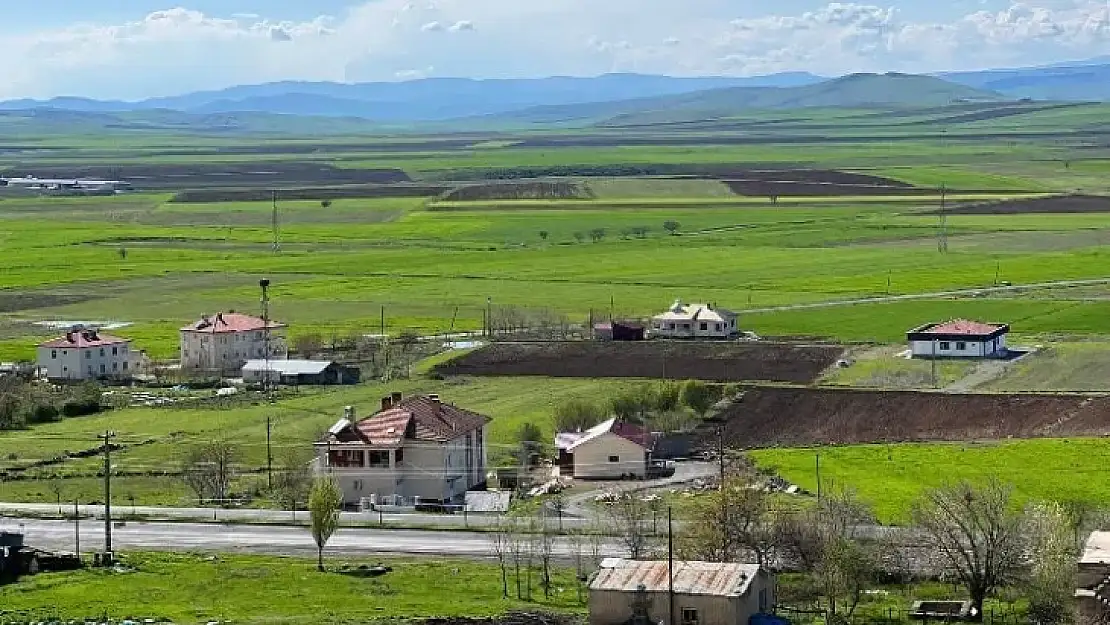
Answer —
631 98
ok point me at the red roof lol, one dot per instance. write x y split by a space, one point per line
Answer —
229 322
416 418
84 338
963 326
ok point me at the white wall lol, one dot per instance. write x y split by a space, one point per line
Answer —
226 351
663 328
87 363
972 349
592 458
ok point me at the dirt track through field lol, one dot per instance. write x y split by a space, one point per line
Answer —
1053 204
716 362
798 417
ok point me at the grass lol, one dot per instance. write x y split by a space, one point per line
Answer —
182 588
886 367
890 477
1068 366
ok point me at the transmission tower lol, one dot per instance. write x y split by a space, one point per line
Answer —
942 231
274 221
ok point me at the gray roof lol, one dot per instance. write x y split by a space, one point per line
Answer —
488 501
290 367
722 579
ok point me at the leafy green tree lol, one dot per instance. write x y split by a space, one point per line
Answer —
698 396
324 502
577 414
667 396
671 226
543 235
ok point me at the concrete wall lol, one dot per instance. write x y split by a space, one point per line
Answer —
227 351
592 458
87 363
951 349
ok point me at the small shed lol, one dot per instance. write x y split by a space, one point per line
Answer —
619 331
300 372
705 593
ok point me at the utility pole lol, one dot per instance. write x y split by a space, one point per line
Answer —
267 383
108 436
817 469
269 454
942 236
274 221
724 493
489 317
670 568
77 529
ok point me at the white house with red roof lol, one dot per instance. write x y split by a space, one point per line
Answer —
416 448
227 340
959 338
613 449
86 354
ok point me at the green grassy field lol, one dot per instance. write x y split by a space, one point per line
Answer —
179 588
890 477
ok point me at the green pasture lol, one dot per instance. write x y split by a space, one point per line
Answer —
890 477
181 588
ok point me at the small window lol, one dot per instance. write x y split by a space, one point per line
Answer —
945 345
732 323
614 458
125 366
103 369
685 326
670 326
399 456
717 327
961 346
53 353
101 352
88 355
115 351
689 616
704 326
115 366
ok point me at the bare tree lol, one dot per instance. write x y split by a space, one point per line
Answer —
597 234
208 469
1052 553
630 514
324 503
308 344
736 518
558 505
545 548
517 548
293 481
977 534
499 542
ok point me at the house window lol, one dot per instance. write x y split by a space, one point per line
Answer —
102 368
961 346
379 459
358 485
101 352
399 456
685 326
945 346
115 351
53 353
88 355
732 323
704 326
125 366
614 458
115 366
670 326
689 616
717 327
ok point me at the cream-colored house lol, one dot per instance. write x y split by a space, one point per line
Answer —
613 449
414 450
85 354
705 593
687 321
226 341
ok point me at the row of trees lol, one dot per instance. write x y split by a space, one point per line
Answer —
656 404
598 234
974 534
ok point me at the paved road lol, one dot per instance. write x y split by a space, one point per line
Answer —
933 295
59 535
578 503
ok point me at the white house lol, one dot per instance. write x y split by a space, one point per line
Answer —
959 338
612 449
416 448
85 354
695 321
705 593
226 341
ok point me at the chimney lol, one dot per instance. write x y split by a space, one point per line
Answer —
387 402
349 413
396 399
219 317
69 337
434 398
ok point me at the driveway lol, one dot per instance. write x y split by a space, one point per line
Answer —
684 472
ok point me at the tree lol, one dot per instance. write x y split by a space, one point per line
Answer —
976 532
324 503
325 203
734 519
293 481
578 236
667 396
543 235
1051 547
671 226
123 253
308 344
209 468
698 396
499 539
597 234
629 514
530 438
577 414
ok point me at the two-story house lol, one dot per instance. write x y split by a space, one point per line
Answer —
226 341
417 448
688 321
86 354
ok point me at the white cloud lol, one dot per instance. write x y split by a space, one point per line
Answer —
179 50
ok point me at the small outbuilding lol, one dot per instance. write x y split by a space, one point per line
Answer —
300 372
619 331
613 449
959 338
705 593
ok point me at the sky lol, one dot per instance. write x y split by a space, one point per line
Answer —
134 49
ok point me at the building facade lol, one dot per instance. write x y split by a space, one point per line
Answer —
690 321
85 354
299 372
226 341
959 338
611 450
414 450
705 593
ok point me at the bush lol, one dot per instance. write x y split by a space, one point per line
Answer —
577 414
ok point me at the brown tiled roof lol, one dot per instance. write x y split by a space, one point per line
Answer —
963 326
229 322
83 338
418 418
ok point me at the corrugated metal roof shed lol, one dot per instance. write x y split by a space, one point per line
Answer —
290 367
690 577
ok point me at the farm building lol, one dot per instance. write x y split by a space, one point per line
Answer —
1093 593
226 341
619 331
958 338
613 449
684 321
300 372
416 448
85 354
705 593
